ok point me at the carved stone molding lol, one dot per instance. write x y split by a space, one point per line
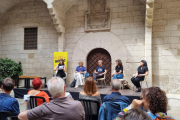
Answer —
98 16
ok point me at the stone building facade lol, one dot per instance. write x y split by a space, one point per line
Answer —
61 27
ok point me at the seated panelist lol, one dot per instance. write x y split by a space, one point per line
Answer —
61 67
100 71
118 73
142 71
80 71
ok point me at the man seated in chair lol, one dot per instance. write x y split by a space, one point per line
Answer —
100 71
116 95
113 103
80 71
8 103
60 108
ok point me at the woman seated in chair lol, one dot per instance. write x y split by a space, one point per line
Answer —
80 71
118 73
61 69
142 71
90 93
37 85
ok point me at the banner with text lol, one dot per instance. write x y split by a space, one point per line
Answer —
58 56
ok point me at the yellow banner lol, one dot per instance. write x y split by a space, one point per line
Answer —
58 56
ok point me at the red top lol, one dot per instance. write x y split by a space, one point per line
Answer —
41 94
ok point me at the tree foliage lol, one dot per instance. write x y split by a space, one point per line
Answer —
9 68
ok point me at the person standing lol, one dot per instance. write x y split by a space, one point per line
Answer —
118 73
61 67
100 70
80 71
142 71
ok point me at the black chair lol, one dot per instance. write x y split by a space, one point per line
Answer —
4 115
88 109
33 101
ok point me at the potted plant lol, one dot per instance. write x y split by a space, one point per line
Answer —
9 68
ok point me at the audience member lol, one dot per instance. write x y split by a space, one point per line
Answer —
90 93
118 73
116 95
113 103
60 108
142 71
37 85
80 71
8 103
100 71
135 114
154 100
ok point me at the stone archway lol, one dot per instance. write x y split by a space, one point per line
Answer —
105 40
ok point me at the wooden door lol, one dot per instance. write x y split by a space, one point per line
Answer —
92 62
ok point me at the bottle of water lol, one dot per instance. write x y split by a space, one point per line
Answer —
43 76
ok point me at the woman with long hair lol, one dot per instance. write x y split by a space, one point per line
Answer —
142 71
118 73
61 67
90 93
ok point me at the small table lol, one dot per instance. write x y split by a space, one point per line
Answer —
27 80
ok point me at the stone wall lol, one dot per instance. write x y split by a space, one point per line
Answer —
166 45
0 35
127 33
30 14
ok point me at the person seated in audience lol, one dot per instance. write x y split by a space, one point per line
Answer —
116 95
90 93
61 69
135 114
100 70
142 71
118 73
154 100
80 71
37 85
60 108
8 103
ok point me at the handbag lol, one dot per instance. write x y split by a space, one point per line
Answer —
73 83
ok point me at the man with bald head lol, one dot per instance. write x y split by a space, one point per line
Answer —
100 70
116 95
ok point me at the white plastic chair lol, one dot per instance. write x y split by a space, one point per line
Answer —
65 77
83 78
102 79
145 80
121 80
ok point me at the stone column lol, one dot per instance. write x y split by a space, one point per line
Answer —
148 38
61 42
148 52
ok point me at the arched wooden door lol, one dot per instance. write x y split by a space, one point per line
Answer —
92 62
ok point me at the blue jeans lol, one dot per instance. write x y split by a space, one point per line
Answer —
118 76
